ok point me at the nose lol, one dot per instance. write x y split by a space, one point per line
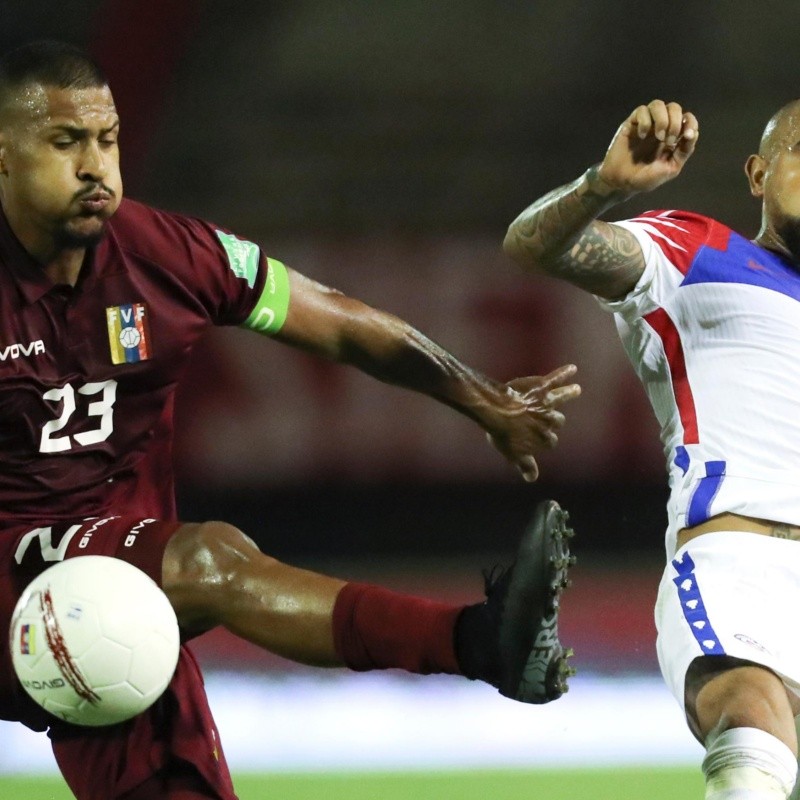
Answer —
93 165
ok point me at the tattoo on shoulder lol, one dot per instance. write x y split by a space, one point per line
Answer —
606 260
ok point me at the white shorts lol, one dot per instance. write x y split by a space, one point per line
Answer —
735 594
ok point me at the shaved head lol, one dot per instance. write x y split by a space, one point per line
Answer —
782 127
774 176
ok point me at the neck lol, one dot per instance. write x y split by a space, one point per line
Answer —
769 240
65 266
62 264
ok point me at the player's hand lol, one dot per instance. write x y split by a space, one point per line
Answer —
530 419
650 148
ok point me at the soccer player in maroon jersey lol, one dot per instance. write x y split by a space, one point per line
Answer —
101 300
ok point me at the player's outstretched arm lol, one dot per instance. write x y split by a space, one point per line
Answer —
520 417
560 234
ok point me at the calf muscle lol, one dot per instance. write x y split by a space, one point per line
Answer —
214 575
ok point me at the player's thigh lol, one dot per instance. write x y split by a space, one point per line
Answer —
722 604
171 751
140 541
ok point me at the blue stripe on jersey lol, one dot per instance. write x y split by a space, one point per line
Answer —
694 610
744 262
681 459
705 492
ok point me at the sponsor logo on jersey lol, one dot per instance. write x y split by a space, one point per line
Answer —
128 333
18 350
130 539
27 640
243 256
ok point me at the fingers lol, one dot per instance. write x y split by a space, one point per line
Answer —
558 376
666 122
534 419
551 389
555 420
528 469
690 132
555 397
641 122
526 464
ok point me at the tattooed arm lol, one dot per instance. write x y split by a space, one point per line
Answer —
560 234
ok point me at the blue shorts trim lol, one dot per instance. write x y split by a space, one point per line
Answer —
694 610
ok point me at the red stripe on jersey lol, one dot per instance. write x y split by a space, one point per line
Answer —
665 328
681 234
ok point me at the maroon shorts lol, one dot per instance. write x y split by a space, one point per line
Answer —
173 748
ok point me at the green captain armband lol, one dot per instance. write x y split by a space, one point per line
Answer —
269 313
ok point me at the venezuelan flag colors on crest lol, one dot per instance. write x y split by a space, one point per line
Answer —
128 333
27 640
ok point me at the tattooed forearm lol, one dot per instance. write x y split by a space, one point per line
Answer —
559 235
549 227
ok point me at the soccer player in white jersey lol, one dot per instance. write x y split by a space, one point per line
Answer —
711 322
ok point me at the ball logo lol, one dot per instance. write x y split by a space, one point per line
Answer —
27 640
130 337
38 686
58 647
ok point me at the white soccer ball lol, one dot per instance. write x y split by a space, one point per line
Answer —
94 640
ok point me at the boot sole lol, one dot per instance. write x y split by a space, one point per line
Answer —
535 664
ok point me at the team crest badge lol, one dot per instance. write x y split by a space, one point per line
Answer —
128 333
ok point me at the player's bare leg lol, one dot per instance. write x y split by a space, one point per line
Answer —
215 575
745 717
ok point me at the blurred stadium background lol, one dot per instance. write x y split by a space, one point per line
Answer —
382 147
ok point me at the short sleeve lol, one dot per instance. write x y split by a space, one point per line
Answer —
229 271
206 264
670 242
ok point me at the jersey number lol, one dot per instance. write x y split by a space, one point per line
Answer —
102 408
45 537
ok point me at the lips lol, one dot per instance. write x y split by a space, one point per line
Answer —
94 203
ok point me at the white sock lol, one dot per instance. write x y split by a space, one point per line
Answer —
748 764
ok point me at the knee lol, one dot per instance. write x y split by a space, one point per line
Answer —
203 564
735 694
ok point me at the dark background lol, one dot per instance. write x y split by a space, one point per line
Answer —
417 131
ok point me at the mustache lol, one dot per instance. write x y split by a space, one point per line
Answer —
95 188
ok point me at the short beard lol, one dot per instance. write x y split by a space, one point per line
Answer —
788 228
66 239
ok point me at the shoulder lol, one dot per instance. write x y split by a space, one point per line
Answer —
683 225
678 235
224 271
145 228
182 244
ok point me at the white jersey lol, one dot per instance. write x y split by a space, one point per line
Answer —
713 331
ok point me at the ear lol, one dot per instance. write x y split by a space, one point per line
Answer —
756 168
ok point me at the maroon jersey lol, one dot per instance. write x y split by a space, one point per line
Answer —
88 373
